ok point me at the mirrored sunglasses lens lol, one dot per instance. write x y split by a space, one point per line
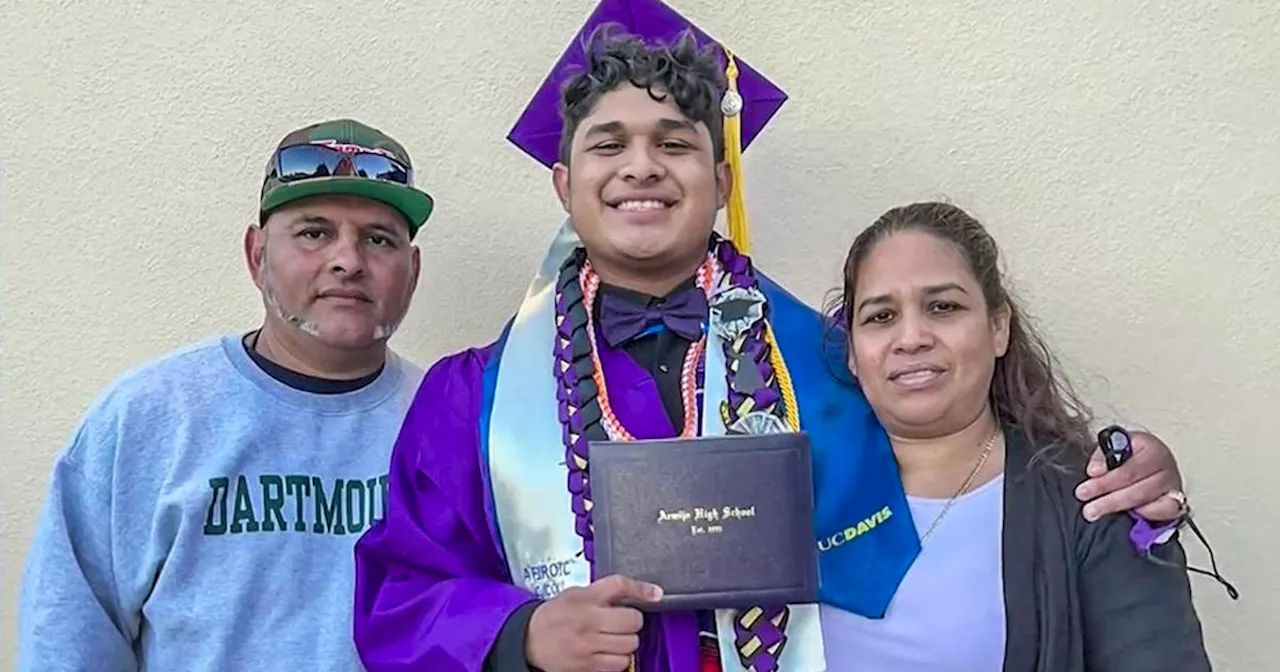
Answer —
307 161
380 168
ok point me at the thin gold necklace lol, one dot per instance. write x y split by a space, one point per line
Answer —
986 451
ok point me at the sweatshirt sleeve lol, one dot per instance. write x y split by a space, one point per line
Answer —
74 612
1137 615
432 591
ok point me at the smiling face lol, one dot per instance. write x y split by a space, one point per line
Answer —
642 187
338 269
924 341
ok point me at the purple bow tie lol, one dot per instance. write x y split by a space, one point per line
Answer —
683 312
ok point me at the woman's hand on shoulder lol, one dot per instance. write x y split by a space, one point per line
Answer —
1149 483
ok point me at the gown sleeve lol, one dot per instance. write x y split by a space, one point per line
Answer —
432 591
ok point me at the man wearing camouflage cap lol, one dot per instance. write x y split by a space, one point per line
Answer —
204 512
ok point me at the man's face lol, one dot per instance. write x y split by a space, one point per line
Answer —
642 185
340 269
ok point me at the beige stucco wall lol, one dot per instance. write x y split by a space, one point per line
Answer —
1127 155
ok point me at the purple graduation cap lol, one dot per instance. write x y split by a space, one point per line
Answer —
750 102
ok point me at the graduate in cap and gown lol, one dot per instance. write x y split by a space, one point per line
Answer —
641 323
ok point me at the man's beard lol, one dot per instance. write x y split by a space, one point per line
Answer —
271 299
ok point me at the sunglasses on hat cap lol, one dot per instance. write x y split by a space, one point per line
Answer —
327 158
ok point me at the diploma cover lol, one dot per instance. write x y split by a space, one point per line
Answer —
718 522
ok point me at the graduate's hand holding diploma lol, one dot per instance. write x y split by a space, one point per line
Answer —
591 629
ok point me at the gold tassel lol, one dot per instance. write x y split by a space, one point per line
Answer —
739 232
732 106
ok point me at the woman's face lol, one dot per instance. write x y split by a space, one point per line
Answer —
924 343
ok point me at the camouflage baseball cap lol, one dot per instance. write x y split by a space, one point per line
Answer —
344 156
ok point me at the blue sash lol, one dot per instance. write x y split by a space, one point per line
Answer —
862 525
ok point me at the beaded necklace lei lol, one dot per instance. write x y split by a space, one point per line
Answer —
690 373
760 397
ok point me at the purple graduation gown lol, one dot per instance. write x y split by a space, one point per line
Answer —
432 586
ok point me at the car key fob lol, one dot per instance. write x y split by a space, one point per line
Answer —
1116 445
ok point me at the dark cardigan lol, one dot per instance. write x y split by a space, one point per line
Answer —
1078 597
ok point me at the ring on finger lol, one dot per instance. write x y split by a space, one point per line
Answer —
1181 498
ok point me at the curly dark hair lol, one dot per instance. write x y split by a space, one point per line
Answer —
690 75
1028 390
